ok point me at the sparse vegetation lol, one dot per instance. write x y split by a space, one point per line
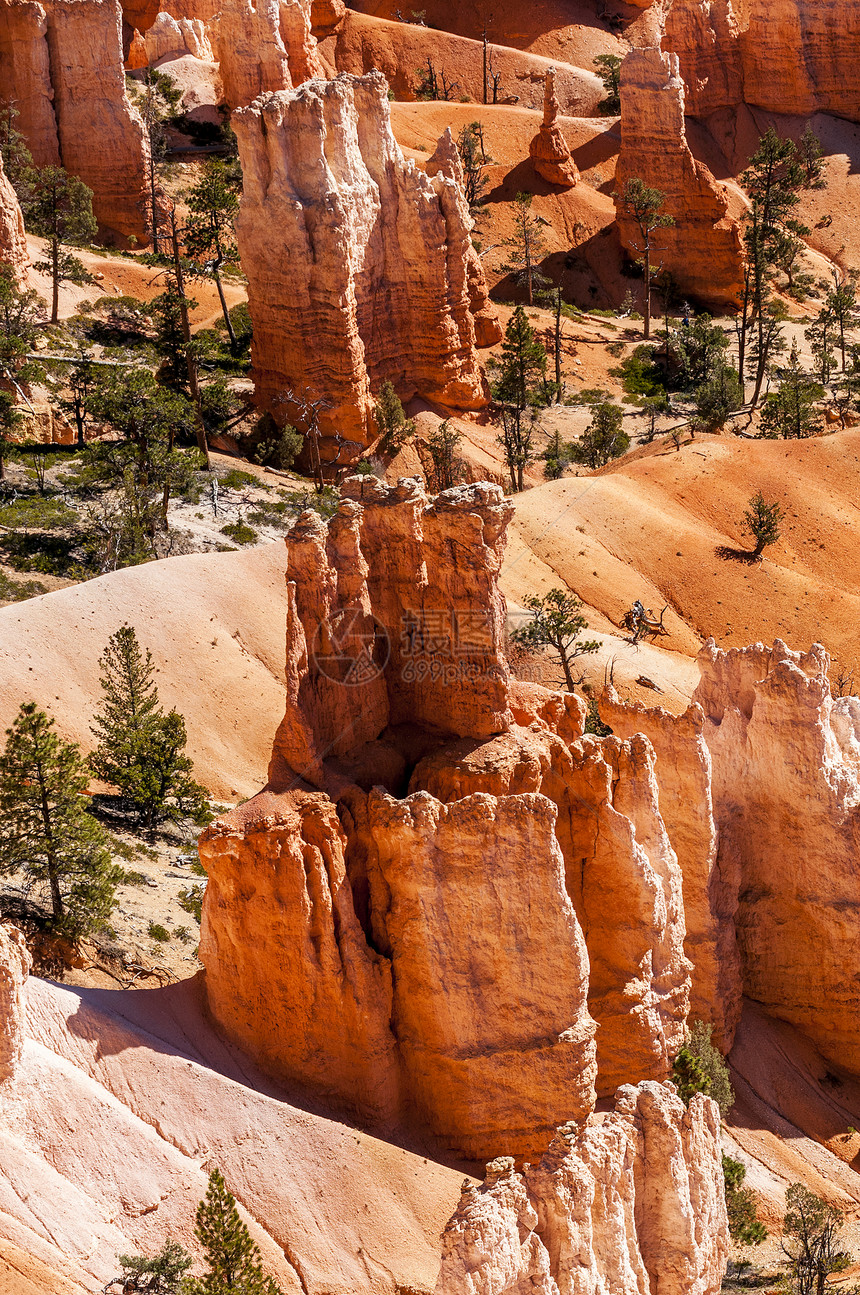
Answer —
700 1068
556 621
744 1226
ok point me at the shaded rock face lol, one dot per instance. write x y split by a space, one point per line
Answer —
496 885
786 791
14 969
62 63
329 206
548 150
13 240
703 249
748 53
630 1203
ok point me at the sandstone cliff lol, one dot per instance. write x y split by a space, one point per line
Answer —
548 150
63 64
264 46
630 1203
328 207
748 53
703 250
14 968
13 240
495 882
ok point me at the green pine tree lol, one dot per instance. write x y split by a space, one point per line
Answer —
45 830
231 1254
161 1275
394 427
60 210
214 205
140 749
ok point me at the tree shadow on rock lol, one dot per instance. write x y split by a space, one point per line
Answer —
738 555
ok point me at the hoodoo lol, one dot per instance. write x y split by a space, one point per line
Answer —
329 205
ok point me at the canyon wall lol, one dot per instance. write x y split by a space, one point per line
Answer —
62 62
631 1203
13 240
703 249
494 887
328 208
749 53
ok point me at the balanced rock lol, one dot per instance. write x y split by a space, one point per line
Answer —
548 150
328 207
703 249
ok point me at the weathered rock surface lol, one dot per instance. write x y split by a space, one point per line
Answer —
548 150
748 53
492 1025
683 771
786 793
13 240
172 37
703 250
279 988
264 46
63 64
14 969
519 847
329 206
631 1202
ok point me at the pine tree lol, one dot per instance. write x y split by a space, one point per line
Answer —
643 205
232 1256
609 70
214 205
156 98
603 439
557 622
60 209
17 158
45 830
140 749
161 1275
519 389
474 161
762 521
394 427
791 411
526 246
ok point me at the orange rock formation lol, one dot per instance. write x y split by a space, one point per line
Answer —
62 63
512 822
264 46
14 969
329 205
548 150
13 240
703 250
748 53
633 1202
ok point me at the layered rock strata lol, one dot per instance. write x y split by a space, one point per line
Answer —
13 240
62 63
748 54
548 150
703 249
264 46
14 969
329 205
494 883
630 1203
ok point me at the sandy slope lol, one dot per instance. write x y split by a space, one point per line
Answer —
129 1099
215 626
651 528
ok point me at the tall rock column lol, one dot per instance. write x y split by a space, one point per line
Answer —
548 150
14 968
339 305
25 75
703 249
